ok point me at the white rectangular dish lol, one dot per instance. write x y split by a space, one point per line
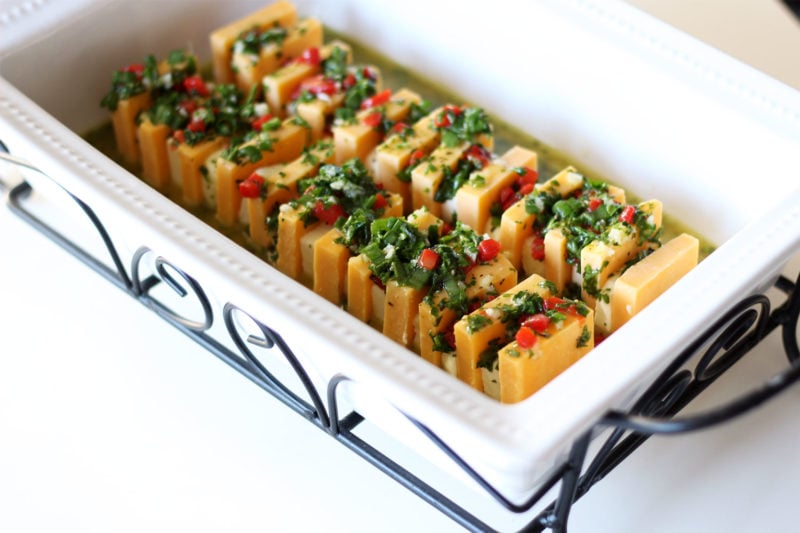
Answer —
616 91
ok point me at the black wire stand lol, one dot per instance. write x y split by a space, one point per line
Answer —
657 410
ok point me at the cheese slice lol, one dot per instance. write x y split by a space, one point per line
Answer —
279 86
517 225
249 70
475 333
279 13
359 139
152 140
522 372
605 257
281 186
394 154
123 121
475 199
484 282
192 160
643 282
288 142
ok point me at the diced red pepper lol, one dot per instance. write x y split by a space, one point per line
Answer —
525 338
251 187
368 73
627 214
348 81
317 85
556 303
488 249
195 85
376 100
179 136
380 201
196 125
444 120
137 68
416 157
400 127
428 259
594 203
538 322
310 56
260 121
552 302
525 189
450 338
373 120
507 197
479 154
329 214
188 107
528 176
537 247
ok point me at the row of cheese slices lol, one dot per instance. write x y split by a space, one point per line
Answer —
400 214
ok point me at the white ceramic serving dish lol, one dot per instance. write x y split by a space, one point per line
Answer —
616 91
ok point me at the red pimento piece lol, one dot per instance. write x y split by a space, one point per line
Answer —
136 68
444 120
527 176
416 157
317 85
380 201
348 81
627 214
537 247
488 250
552 302
556 303
188 107
368 73
400 127
195 85
330 214
594 203
196 125
507 197
525 189
525 338
450 338
428 259
538 322
310 56
479 154
373 120
179 136
251 187
376 100
260 121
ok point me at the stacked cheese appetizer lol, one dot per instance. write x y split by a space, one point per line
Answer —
401 214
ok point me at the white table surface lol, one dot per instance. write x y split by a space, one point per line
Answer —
110 420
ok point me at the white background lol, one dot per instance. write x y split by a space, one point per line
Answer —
110 420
